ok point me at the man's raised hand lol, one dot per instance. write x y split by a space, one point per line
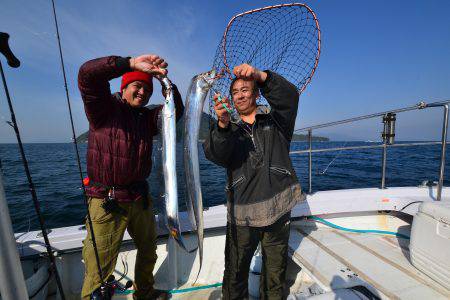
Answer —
222 114
247 72
149 63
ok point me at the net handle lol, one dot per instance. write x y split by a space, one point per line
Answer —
227 68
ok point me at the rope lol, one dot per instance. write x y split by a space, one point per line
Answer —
178 291
323 221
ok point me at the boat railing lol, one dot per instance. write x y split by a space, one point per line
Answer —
389 119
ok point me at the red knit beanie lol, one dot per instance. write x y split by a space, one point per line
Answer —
136 76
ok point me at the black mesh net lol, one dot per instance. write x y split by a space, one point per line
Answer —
283 38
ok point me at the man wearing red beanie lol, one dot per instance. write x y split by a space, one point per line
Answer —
119 160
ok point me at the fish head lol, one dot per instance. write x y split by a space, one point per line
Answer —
206 80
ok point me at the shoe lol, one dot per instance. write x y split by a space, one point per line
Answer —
160 295
155 295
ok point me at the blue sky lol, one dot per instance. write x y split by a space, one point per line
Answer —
376 56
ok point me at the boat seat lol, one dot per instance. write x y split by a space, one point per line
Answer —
337 260
430 241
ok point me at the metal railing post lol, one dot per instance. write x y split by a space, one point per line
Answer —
383 166
310 160
387 140
384 157
444 144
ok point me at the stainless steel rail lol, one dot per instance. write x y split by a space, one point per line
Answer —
384 145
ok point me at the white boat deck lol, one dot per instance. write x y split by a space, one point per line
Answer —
338 259
326 258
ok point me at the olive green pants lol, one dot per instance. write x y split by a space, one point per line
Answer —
109 229
241 243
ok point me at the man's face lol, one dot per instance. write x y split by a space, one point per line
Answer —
244 96
137 93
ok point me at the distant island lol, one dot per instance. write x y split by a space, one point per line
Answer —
204 131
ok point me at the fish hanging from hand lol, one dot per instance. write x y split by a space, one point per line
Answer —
168 135
199 88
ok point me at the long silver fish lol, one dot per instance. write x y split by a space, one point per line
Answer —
200 85
168 133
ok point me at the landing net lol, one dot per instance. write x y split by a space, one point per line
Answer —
282 38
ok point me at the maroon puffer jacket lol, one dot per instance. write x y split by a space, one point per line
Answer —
120 137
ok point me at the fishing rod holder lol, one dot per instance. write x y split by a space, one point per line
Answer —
388 135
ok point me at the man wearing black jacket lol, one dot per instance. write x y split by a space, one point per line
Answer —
262 186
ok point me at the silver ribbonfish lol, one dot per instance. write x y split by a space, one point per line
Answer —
168 133
196 95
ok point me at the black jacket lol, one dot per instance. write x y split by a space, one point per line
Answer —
262 185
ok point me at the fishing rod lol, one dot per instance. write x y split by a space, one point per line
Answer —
332 161
107 288
15 63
